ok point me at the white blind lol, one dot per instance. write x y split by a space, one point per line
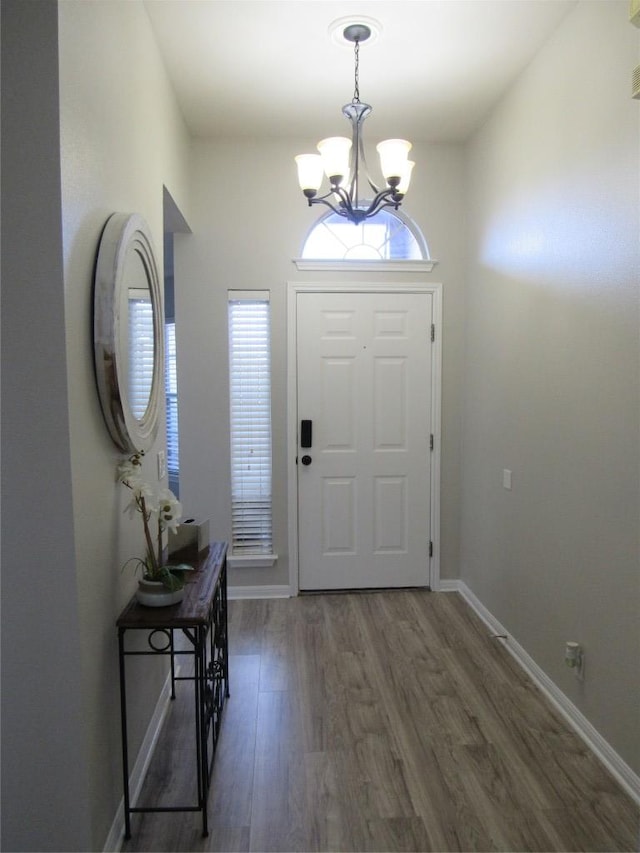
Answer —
171 390
140 351
250 419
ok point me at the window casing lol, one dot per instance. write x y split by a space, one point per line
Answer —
250 423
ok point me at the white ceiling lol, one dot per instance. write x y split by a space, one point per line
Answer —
270 68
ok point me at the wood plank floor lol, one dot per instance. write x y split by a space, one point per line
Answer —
385 721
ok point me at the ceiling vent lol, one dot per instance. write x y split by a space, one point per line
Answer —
634 12
635 83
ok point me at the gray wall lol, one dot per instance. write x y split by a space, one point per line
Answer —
44 777
118 140
551 371
123 140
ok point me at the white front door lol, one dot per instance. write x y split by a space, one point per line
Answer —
364 484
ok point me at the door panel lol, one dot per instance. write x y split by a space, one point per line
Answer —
364 379
338 515
390 507
338 383
389 404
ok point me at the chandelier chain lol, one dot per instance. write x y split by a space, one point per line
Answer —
356 91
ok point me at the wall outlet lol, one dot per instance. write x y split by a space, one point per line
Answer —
162 465
574 658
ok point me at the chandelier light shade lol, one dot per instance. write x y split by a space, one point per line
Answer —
310 172
393 158
340 159
335 155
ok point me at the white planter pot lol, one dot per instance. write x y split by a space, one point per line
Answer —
155 594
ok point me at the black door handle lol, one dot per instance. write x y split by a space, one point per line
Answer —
306 433
306 460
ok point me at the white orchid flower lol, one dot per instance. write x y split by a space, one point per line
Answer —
129 471
144 490
169 510
126 471
132 508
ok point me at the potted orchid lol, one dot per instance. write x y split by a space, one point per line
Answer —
161 584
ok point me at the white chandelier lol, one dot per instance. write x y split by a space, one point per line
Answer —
340 159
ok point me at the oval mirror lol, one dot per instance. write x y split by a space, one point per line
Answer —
127 332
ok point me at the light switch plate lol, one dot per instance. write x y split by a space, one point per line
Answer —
162 465
506 478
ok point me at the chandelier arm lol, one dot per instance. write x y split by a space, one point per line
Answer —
360 159
323 200
339 191
356 113
386 198
363 157
356 149
383 199
343 195
394 204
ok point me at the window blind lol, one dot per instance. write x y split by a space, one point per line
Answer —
171 392
250 421
140 351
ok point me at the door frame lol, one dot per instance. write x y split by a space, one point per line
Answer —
293 289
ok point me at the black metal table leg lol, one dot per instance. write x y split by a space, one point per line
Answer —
173 666
225 633
201 689
125 749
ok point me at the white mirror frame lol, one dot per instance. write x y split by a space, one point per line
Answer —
123 233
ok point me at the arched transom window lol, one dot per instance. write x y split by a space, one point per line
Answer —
384 237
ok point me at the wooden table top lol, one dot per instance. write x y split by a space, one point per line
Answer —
194 608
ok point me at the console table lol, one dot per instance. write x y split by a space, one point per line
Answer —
202 618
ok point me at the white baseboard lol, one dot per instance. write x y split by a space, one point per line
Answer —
624 775
114 841
276 591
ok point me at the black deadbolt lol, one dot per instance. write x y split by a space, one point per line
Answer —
306 460
305 433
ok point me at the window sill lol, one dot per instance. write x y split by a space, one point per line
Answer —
252 561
